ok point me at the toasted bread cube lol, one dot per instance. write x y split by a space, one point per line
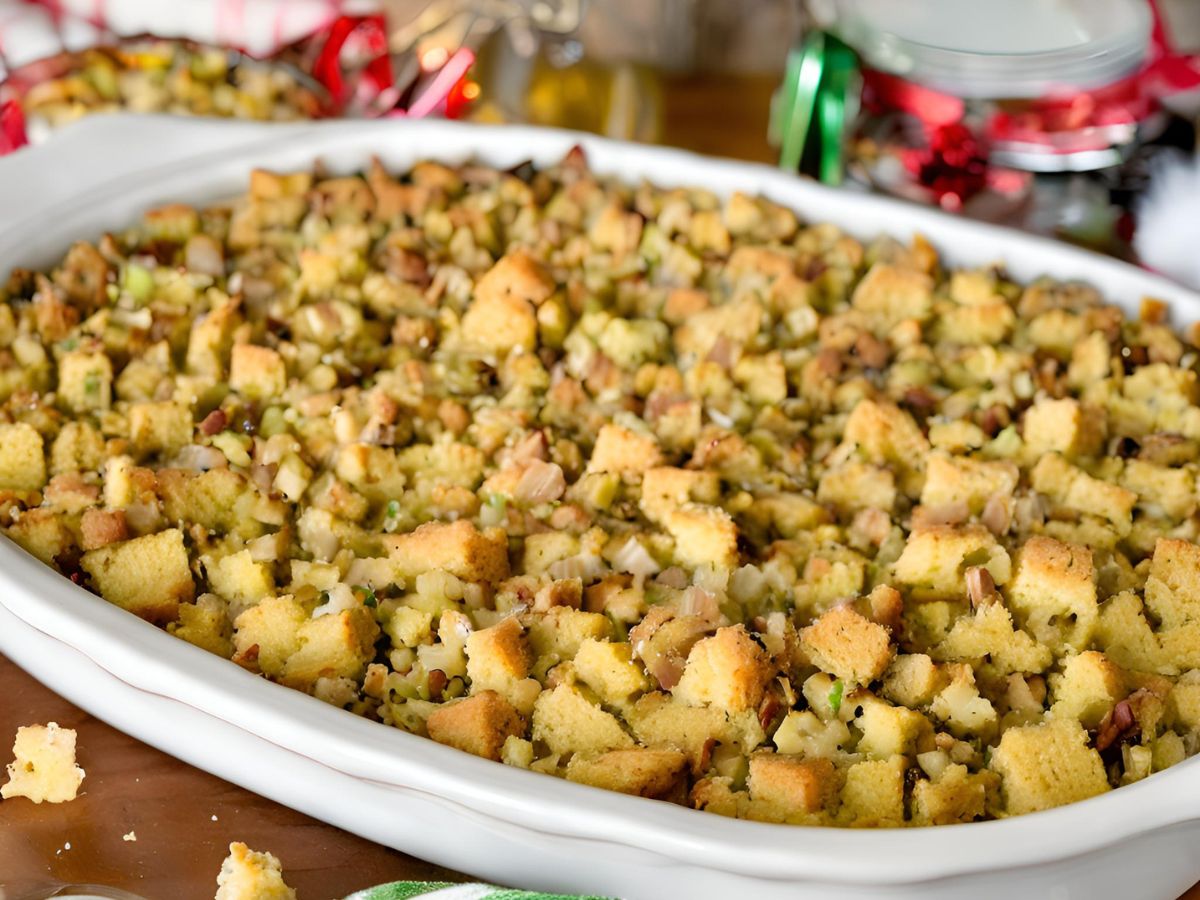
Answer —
44 769
1048 765
497 657
211 338
337 645
988 323
205 624
458 548
873 794
257 372
889 294
570 723
936 557
958 479
78 448
239 578
1089 686
42 533
990 631
912 680
501 316
659 721
891 730
373 471
848 645
22 460
791 785
85 381
1173 491
101 527
728 670
623 451
640 772
763 378
1173 586
885 433
1184 700
149 576
249 875
220 500
1126 637
1063 426
609 670
665 488
479 724
543 550
956 795
159 427
852 486
1054 589
562 631
266 634
1073 489
703 535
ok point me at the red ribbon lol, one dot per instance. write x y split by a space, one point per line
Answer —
12 127
372 31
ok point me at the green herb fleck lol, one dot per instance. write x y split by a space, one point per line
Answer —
91 384
368 596
835 696
392 510
71 343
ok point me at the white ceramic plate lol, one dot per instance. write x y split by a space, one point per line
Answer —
497 822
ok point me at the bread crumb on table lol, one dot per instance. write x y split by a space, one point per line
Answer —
250 875
44 768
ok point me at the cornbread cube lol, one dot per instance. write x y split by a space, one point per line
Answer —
1063 426
885 433
501 316
211 338
562 630
1047 765
1126 637
617 231
220 500
337 645
1173 491
497 657
959 479
764 378
570 723
956 795
239 578
738 321
984 324
44 766
640 772
1089 686
159 427
659 721
703 535
1173 585
479 724
543 550
609 670
1054 589
1073 489
101 527
873 794
257 372
149 576
912 680
665 488
22 460
990 632
888 730
458 548
373 471
961 707
790 514
936 557
848 645
266 634
249 875
623 451
791 785
1184 700
889 294
42 533
852 486
85 381
205 624
715 795
78 447
728 670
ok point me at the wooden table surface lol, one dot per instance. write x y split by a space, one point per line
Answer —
184 819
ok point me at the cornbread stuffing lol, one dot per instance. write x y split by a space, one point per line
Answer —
659 492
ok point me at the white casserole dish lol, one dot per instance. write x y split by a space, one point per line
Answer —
501 823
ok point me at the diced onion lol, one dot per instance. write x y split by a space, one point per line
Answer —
634 559
340 597
582 565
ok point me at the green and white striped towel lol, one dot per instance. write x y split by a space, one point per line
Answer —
443 890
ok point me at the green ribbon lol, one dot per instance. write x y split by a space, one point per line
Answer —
443 890
821 85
